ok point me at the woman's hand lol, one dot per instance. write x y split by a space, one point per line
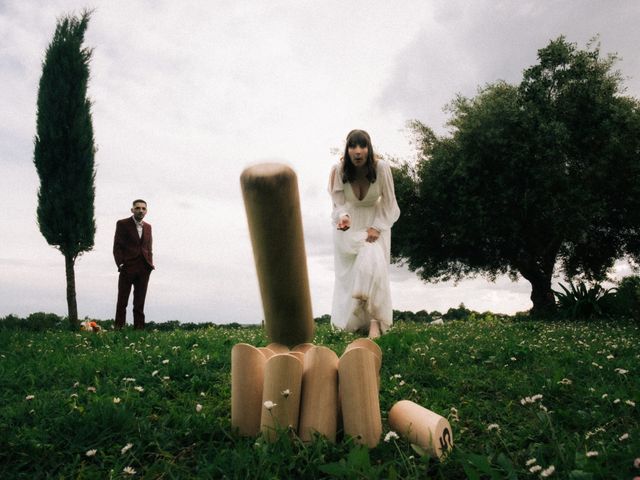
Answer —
372 234
344 223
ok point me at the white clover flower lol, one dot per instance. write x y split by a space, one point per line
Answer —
592 453
547 472
29 397
129 471
533 399
493 426
166 378
636 463
154 373
198 408
631 403
116 400
565 381
128 379
391 436
617 400
126 448
621 371
74 395
531 461
139 388
285 393
269 404
164 362
91 453
535 468
76 385
623 437
91 389
202 394
605 395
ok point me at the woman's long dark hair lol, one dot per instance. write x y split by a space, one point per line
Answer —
361 139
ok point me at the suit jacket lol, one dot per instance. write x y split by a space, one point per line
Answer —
128 246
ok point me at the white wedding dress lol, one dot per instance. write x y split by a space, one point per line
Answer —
361 290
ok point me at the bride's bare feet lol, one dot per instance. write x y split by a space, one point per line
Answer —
374 329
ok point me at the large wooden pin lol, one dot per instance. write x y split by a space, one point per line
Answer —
247 380
319 405
422 427
271 199
359 396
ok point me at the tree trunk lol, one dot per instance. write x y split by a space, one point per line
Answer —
544 302
538 271
72 306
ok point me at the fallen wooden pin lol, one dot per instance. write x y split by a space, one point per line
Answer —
422 427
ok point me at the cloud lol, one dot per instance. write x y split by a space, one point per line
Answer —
187 94
466 45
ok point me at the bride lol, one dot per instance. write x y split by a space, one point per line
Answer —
364 209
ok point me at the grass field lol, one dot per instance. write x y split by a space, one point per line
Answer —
526 399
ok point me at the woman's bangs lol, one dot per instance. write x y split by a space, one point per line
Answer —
358 139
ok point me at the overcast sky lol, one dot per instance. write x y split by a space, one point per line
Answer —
187 94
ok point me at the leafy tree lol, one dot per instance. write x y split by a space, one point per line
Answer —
64 149
532 177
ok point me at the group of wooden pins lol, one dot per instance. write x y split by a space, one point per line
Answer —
308 389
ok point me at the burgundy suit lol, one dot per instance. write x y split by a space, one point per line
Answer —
134 257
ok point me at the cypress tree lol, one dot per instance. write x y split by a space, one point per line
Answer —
64 149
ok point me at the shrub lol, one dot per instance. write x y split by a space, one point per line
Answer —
626 301
36 322
324 319
460 313
581 301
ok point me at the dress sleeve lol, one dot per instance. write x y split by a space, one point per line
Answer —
387 210
336 190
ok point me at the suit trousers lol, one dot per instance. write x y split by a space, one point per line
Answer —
135 274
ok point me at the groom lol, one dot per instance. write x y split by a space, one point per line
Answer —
132 251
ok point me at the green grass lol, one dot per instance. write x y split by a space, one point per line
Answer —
475 373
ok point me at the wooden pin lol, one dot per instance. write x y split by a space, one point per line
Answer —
267 352
298 355
281 394
271 199
319 405
303 347
278 348
422 427
370 345
359 396
247 379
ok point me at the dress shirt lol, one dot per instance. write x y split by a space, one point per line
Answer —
138 227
